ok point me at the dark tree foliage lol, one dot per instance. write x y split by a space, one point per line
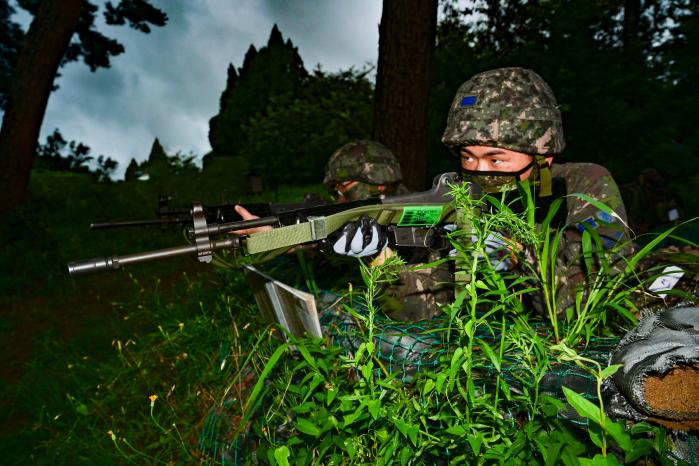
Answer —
132 171
617 67
160 166
290 141
284 122
10 38
92 46
56 154
105 168
274 72
61 31
157 153
681 75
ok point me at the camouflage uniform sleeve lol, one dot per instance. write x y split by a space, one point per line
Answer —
596 182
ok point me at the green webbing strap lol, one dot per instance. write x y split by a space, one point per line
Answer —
318 228
545 188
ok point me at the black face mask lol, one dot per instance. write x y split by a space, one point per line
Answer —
498 182
495 182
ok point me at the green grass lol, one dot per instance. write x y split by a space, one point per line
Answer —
123 368
84 354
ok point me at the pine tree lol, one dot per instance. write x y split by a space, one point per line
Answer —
157 154
274 73
131 171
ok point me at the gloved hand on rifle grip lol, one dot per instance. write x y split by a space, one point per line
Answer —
362 238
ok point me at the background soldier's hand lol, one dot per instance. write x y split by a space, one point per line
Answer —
246 215
362 238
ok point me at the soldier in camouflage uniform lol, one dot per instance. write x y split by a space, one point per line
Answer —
506 127
363 169
357 170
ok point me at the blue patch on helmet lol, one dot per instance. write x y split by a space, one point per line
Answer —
604 216
469 101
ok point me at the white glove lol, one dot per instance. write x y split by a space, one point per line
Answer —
360 239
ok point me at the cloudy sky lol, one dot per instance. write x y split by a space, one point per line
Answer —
167 84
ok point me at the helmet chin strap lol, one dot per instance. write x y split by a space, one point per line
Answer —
544 173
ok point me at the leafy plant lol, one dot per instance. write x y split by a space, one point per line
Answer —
482 403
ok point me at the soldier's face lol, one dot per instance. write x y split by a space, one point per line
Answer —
355 190
343 191
495 159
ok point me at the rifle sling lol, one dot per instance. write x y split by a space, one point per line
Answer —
318 228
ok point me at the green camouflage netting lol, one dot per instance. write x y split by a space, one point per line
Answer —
406 349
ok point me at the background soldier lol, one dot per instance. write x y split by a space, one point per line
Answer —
363 169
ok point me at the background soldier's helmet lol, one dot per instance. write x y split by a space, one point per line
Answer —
510 108
365 161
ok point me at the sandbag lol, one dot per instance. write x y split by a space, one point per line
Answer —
659 378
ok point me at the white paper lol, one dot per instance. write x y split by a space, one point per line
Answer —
666 281
293 309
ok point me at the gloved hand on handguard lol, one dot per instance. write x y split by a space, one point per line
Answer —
362 238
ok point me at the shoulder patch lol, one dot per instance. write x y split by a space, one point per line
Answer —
590 221
605 217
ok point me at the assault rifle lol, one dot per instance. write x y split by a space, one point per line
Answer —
412 220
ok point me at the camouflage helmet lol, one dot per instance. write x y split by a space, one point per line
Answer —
510 108
365 161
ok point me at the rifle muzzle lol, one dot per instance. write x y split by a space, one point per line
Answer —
98 264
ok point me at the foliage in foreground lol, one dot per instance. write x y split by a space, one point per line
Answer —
140 401
315 404
65 380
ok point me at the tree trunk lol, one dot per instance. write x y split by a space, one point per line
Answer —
37 64
631 34
406 45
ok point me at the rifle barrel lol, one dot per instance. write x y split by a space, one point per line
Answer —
217 228
100 264
138 223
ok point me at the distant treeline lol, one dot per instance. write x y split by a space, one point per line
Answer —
624 73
